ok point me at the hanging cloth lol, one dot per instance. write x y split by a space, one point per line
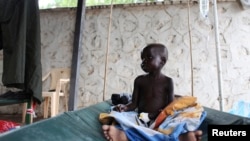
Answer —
21 43
6 8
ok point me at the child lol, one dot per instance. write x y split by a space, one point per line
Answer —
152 92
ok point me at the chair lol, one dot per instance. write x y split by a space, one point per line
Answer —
59 80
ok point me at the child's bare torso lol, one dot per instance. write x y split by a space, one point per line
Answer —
153 94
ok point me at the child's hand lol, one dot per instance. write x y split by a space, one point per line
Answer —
120 108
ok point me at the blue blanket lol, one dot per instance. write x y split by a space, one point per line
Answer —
187 118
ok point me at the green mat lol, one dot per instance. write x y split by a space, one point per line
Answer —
83 125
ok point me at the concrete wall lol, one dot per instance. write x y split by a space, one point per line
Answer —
133 28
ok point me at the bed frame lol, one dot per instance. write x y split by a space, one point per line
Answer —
83 125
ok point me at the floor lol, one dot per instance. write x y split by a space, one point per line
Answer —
17 118
8 122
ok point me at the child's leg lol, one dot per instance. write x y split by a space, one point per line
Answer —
112 133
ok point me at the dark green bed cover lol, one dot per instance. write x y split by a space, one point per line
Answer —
83 125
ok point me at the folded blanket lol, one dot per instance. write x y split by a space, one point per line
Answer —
182 115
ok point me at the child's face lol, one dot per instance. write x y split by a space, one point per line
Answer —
151 60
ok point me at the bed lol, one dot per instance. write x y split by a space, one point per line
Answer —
83 125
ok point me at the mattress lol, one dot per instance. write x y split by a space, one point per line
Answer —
83 125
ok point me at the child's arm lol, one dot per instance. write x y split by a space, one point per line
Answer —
134 103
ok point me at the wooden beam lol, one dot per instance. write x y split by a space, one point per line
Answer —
77 50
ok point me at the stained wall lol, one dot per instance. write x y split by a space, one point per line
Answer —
191 40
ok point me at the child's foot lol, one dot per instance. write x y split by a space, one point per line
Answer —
191 136
111 133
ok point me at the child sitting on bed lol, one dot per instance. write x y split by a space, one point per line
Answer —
152 92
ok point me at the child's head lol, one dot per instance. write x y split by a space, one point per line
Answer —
154 56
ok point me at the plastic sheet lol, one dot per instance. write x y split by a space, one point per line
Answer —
241 108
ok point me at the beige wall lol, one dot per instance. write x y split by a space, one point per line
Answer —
133 28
